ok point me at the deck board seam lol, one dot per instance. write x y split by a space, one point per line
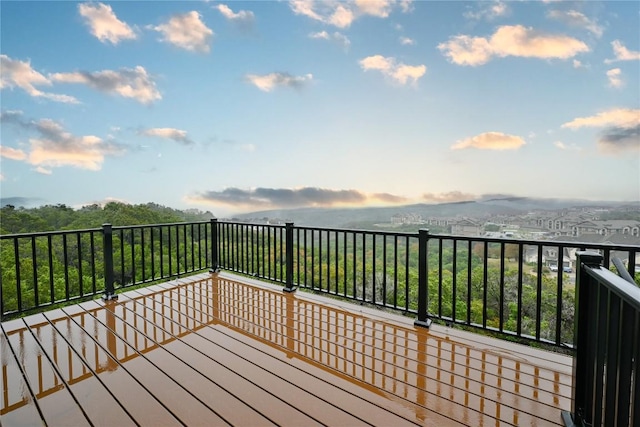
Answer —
56 369
401 397
160 346
84 362
119 362
189 330
24 375
247 360
552 407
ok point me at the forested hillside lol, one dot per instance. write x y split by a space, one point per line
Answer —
61 217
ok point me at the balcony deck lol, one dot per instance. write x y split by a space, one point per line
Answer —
220 349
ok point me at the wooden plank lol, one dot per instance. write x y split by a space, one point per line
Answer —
217 350
18 404
53 397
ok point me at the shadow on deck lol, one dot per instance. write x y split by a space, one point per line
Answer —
225 350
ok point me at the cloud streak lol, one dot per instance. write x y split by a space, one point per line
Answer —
577 19
449 197
622 53
243 19
53 146
488 10
268 82
176 135
490 141
134 83
336 37
343 14
12 153
397 71
615 77
619 117
271 198
16 73
186 31
104 24
510 40
621 129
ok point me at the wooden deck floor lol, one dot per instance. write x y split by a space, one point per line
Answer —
221 350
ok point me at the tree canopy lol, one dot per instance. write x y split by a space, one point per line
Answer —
62 217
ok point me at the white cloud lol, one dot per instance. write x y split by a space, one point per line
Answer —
451 196
622 53
562 146
268 82
173 134
342 17
621 133
388 66
55 147
336 37
620 117
12 153
407 41
342 14
244 19
104 24
490 141
305 8
186 31
406 6
320 35
16 73
577 64
379 8
488 10
507 40
577 19
127 82
43 170
615 77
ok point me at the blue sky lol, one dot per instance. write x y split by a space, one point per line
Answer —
244 106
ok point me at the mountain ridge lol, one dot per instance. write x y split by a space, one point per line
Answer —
319 216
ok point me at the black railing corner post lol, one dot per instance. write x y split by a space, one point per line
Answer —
423 279
214 246
107 248
289 287
584 308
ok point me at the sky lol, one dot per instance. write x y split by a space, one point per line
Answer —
237 106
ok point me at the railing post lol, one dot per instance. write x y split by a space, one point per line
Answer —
423 282
582 367
289 257
214 246
107 249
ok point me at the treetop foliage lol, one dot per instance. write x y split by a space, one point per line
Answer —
62 217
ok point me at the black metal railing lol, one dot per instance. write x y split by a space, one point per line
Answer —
606 389
518 288
38 270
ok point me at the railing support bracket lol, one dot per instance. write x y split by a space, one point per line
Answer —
109 297
423 323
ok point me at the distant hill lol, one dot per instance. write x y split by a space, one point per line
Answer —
346 217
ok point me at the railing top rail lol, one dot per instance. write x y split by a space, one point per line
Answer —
253 224
537 242
49 233
168 224
361 231
629 292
